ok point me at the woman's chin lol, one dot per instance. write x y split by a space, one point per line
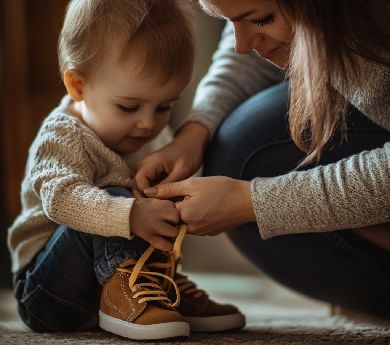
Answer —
279 62
278 58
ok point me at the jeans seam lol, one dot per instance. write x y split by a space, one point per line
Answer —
257 150
47 253
338 241
61 301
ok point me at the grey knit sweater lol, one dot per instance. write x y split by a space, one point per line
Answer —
352 193
68 166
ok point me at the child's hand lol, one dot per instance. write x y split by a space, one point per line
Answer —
154 220
174 162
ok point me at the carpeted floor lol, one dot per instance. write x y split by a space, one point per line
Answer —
274 316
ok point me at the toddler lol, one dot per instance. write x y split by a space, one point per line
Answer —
83 247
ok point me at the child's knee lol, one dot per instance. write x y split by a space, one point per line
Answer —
119 191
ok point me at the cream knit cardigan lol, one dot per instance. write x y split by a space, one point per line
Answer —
68 166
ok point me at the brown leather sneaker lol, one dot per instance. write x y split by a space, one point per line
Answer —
134 305
202 313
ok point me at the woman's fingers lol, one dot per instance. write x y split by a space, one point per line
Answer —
169 190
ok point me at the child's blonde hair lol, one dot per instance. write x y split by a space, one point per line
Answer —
163 26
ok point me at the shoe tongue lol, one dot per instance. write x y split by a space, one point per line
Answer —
158 256
128 262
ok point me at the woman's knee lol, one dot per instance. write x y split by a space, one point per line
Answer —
257 124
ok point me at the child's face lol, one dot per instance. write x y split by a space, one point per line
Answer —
126 110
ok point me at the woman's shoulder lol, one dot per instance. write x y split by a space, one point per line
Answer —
371 93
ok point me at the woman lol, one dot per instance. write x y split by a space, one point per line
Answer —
308 196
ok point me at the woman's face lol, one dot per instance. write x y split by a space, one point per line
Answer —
258 25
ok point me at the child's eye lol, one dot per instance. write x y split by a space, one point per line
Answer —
264 21
163 109
128 109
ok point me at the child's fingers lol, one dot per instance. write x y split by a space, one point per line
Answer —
167 230
161 243
177 174
137 193
142 180
172 215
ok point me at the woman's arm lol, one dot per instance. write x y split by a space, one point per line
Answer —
349 194
352 193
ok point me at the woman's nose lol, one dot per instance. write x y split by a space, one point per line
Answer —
243 39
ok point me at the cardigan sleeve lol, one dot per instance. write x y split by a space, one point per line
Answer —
62 177
352 193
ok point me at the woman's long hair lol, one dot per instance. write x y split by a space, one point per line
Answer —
329 37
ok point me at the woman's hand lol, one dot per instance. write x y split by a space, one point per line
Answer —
155 221
211 205
174 162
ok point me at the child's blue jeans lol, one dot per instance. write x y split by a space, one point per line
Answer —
60 290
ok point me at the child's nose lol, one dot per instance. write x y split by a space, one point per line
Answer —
146 121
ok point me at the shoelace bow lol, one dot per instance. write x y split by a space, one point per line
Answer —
153 290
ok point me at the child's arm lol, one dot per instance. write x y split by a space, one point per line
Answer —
62 167
62 177
71 199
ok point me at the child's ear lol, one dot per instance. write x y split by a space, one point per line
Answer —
74 83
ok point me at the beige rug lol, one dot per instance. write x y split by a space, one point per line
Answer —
274 316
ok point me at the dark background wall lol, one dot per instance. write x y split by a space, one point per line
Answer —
30 87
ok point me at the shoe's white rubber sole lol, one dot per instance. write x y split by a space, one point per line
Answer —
216 323
143 332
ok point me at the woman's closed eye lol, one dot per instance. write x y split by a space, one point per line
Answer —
264 21
126 109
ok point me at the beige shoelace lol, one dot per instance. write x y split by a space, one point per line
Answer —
153 291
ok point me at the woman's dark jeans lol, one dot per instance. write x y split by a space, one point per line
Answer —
338 267
60 289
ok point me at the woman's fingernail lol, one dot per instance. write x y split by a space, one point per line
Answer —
152 191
